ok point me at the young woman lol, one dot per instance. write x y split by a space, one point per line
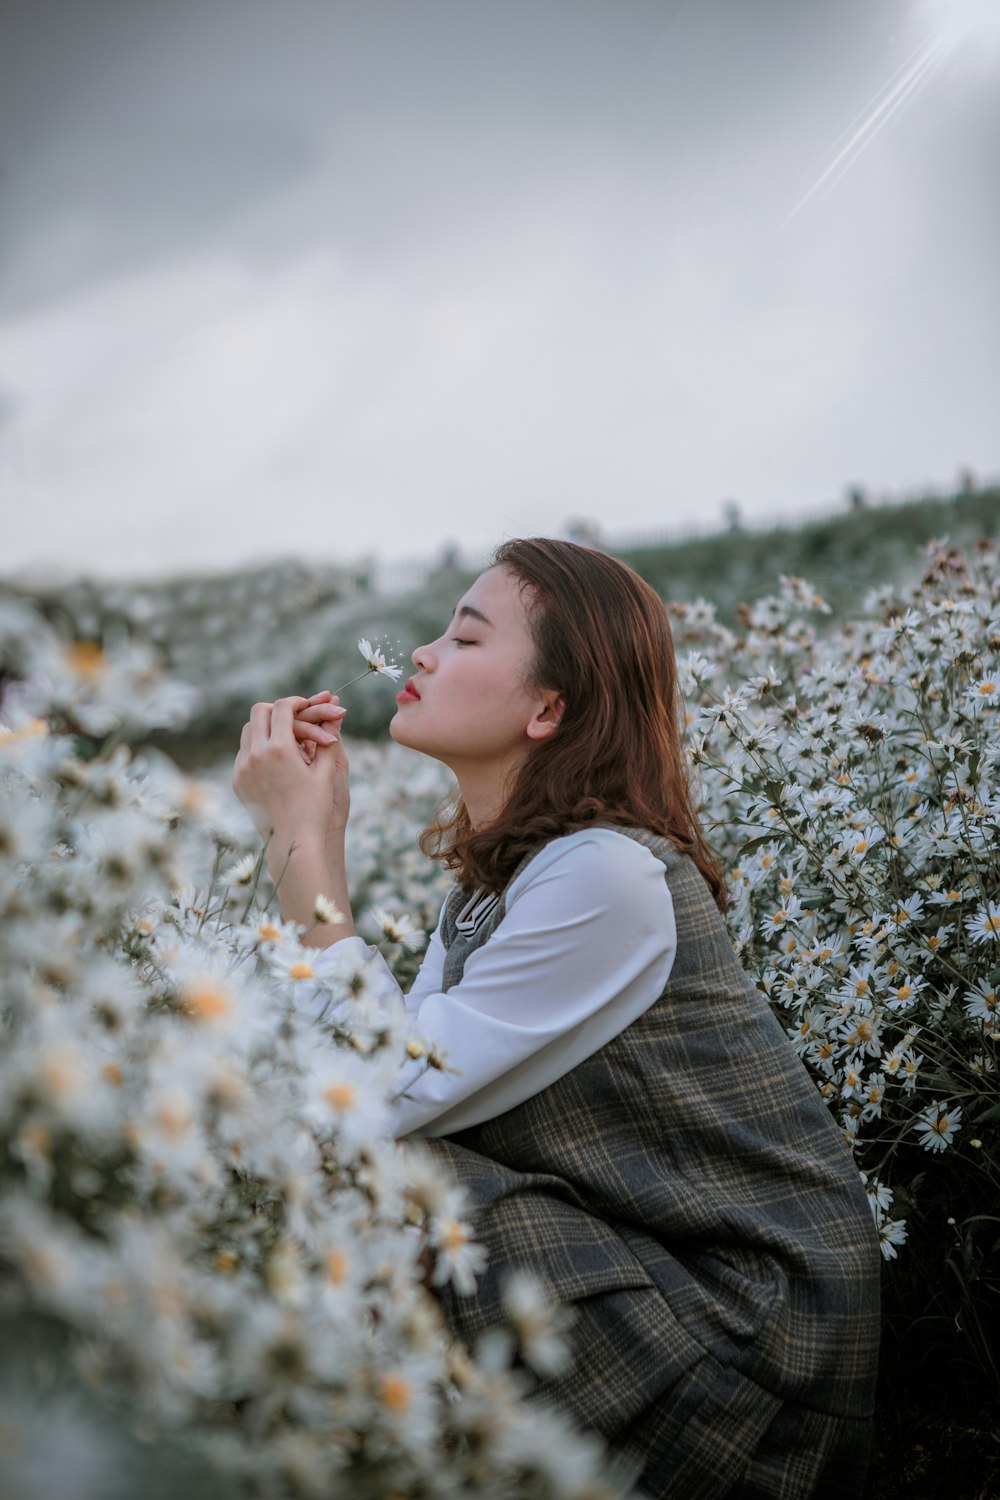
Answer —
627 1115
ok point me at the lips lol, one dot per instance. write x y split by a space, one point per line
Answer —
408 694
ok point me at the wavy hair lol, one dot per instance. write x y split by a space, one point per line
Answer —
602 639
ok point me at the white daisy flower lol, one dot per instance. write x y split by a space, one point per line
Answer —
402 930
981 1003
327 912
458 1258
985 925
345 1096
377 662
986 690
891 1232
540 1325
242 872
938 1126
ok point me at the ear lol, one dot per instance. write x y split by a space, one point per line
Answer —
547 717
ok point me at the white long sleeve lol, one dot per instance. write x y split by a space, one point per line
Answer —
586 944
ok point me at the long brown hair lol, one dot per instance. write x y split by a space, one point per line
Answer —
602 639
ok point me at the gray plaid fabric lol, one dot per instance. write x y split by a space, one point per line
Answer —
687 1190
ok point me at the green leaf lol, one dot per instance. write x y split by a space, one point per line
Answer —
752 845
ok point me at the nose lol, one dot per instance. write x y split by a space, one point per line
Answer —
420 657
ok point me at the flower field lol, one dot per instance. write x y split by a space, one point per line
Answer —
208 1241
203 1216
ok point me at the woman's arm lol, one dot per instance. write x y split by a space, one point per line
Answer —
302 867
585 946
299 802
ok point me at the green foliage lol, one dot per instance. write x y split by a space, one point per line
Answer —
843 556
851 782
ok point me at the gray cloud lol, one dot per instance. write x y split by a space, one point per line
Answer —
344 278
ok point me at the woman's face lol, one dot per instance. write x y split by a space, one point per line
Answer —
470 703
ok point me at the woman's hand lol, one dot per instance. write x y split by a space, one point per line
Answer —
291 772
316 723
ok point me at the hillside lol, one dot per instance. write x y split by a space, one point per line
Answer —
253 634
842 556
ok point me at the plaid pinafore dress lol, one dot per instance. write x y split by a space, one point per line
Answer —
688 1192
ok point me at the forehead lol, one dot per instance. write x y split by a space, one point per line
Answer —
496 594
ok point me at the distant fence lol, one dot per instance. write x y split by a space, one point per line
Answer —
396 576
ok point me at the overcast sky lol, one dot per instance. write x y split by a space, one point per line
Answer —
331 279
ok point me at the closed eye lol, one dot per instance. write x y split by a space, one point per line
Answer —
460 642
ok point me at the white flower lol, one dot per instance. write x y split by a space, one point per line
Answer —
879 1196
981 1003
346 1097
986 690
985 925
891 1232
539 1323
242 872
377 662
401 930
458 1258
292 962
938 1126
327 912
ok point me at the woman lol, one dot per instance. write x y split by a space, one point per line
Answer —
627 1115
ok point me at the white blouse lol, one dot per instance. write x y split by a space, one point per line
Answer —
586 944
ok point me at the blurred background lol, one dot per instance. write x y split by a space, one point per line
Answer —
303 308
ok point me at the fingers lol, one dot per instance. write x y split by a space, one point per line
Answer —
260 724
313 733
305 719
318 724
320 711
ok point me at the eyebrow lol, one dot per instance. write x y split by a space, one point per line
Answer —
474 614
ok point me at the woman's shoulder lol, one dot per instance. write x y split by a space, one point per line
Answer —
601 856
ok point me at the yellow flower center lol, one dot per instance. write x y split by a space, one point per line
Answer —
454 1236
60 1073
342 1096
86 659
173 1120
395 1393
37 1138
337 1266
206 1001
34 729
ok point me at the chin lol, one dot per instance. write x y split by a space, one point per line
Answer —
397 731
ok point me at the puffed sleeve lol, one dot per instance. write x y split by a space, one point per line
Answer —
586 945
